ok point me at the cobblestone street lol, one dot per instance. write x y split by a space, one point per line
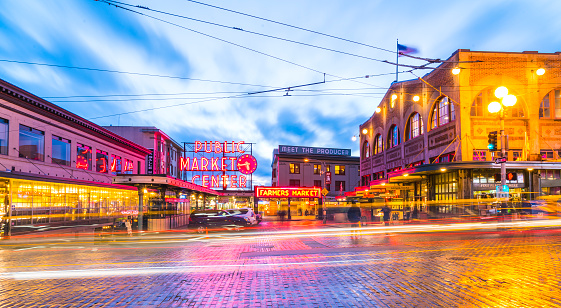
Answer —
297 267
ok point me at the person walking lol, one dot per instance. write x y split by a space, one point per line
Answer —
386 210
353 215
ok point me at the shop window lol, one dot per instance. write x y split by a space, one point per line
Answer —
549 154
101 161
414 126
31 143
116 167
516 155
60 151
378 144
550 107
446 186
550 175
294 168
482 100
442 112
340 185
365 149
317 183
393 136
339 170
479 155
4 129
83 157
294 183
317 169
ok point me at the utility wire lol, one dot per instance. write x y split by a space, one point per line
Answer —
248 31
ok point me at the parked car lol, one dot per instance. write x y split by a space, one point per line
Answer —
200 219
247 213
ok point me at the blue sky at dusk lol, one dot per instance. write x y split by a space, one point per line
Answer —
207 79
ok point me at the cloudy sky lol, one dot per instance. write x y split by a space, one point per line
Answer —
187 66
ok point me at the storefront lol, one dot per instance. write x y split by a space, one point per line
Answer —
294 201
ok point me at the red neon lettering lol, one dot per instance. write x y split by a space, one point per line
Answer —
208 150
239 147
233 161
205 180
214 181
233 147
217 147
224 181
103 165
80 165
195 178
226 147
214 164
184 164
204 162
243 181
223 163
195 166
114 165
198 146
233 181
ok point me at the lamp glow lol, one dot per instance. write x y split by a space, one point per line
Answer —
509 100
442 169
494 107
501 92
378 110
416 98
407 174
364 131
394 97
540 71
456 70
353 138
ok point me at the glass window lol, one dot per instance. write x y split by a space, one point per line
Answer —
317 169
101 161
128 169
294 183
378 144
116 167
328 168
61 151
317 183
365 149
340 185
479 155
31 143
4 136
550 106
414 126
340 170
84 157
294 168
393 136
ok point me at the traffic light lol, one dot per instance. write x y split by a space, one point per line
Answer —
492 146
511 176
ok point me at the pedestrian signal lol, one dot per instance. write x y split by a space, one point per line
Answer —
511 176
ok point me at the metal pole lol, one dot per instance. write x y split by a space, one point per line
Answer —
140 206
503 150
10 208
324 209
289 217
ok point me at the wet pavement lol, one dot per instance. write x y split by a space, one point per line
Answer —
297 264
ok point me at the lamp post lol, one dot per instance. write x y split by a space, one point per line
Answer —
505 100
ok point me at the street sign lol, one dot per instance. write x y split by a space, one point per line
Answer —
500 160
328 178
324 191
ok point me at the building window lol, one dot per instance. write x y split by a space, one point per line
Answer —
328 186
31 143
550 107
101 161
365 149
549 154
116 167
550 174
445 186
479 155
274 172
4 136
378 144
442 112
482 100
294 183
128 168
340 185
61 151
317 169
317 183
516 155
339 170
83 157
327 168
414 126
393 136
294 168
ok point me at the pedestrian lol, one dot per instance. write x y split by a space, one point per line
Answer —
128 226
353 215
386 211
281 215
415 212
306 212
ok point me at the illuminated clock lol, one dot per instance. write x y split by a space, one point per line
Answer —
247 164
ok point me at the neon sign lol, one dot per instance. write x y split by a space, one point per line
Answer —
247 164
287 192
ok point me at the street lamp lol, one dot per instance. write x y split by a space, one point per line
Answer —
505 100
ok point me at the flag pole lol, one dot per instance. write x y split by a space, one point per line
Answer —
396 60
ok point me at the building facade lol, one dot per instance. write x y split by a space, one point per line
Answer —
431 134
57 167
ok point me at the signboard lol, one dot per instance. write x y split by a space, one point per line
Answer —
328 178
150 162
499 160
291 149
324 191
287 192
393 187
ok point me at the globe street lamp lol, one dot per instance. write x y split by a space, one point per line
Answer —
505 100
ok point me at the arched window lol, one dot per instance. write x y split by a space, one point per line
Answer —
482 100
365 149
442 112
378 144
414 126
550 107
393 136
